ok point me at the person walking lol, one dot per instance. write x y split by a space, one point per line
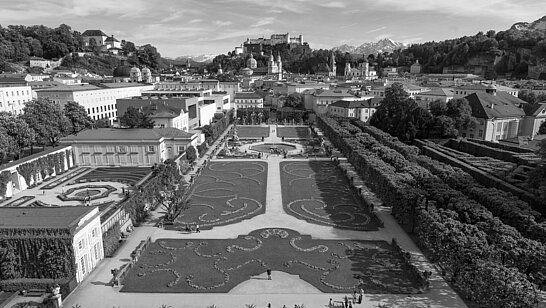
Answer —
197 229
268 274
346 301
350 304
360 298
330 304
354 296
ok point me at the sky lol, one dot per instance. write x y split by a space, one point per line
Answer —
194 27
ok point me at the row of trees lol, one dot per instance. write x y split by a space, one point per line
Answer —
475 247
43 122
400 116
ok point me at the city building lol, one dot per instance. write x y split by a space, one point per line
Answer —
362 71
535 115
43 63
164 115
323 98
464 90
80 223
128 146
442 94
361 109
99 100
256 45
248 100
498 115
94 37
415 68
412 90
14 98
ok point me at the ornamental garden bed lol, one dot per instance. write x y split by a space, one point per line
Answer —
318 192
294 132
218 265
19 201
65 178
252 132
128 175
87 192
225 193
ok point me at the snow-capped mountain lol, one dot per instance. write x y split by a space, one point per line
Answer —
383 45
199 58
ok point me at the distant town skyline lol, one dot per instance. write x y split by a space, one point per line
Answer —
192 27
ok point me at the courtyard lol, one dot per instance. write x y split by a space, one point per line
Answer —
298 217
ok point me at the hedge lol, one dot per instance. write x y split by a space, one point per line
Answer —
111 240
15 285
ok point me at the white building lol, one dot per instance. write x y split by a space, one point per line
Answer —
13 99
323 98
248 100
99 101
361 110
128 146
81 222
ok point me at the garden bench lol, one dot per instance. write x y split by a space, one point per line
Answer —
35 292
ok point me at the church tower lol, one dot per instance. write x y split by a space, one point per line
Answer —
271 64
220 71
279 66
347 70
333 65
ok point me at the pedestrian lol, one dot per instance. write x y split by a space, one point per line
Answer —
354 296
360 298
361 291
197 229
350 304
268 274
330 304
346 300
269 305
188 228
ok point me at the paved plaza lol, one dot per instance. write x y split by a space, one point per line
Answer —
286 288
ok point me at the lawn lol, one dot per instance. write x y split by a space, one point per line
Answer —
225 193
216 266
252 132
129 175
294 132
318 192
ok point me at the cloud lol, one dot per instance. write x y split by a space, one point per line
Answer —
376 29
194 21
333 4
263 22
222 23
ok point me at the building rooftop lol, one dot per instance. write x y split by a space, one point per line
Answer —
126 134
247 95
93 33
439 92
43 217
333 93
534 109
489 106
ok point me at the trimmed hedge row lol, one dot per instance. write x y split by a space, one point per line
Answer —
111 240
472 230
15 285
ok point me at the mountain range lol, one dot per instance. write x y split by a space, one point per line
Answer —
381 46
199 58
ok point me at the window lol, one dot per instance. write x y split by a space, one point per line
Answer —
181 148
80 244
151 148
94 232
96 249
122 149
82 265
480 133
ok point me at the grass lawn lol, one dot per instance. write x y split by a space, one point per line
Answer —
216 266
252 132
318 192
130 175
294 132
225 193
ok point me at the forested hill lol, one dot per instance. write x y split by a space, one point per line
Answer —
510 52
18 43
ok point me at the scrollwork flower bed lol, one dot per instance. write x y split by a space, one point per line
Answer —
318 192
225 193
216 266
80 193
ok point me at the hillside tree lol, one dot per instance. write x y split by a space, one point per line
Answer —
47 119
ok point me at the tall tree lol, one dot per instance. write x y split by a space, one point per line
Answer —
7 145
294 100
171 190
399 115
134 118
22 135
47 119
78 117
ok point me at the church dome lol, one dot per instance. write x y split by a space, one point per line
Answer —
135 70
122 71
251 62
146 70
